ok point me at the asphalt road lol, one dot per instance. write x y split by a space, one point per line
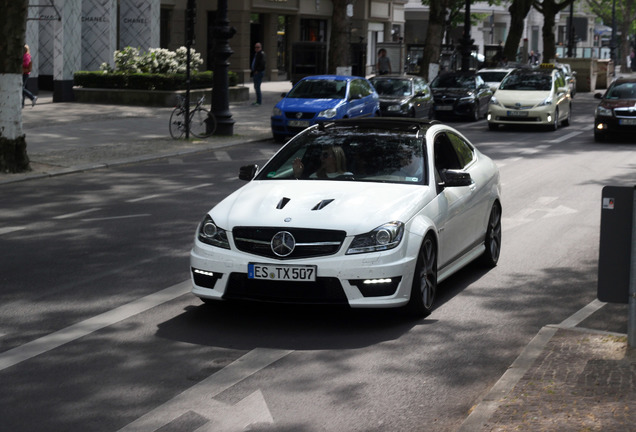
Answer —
99 332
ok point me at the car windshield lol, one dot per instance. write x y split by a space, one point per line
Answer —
319 89
350 155
493 76
531 81
392 87
454 81
622 91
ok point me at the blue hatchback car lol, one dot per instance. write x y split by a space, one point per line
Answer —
322 98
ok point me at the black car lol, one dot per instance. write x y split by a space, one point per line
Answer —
404 96
616 114
460 94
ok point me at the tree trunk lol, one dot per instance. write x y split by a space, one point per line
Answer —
434 36
549 9
13 156
339 46
518 11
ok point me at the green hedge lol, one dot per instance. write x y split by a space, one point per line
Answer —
146 81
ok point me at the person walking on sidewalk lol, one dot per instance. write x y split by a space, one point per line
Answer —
27 65
384 63
258 71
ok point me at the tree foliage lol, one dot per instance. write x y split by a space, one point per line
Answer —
625 21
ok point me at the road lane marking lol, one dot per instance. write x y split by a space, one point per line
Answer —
79 213
9 230
222 156
144 198
566 137
116 217
198 186
198 398
54 340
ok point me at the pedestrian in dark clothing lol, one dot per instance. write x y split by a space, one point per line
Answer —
384 63
258 71
27 65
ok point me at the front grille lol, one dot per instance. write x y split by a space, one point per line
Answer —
625 113
322 291
519 107
519 119
309 242
303 115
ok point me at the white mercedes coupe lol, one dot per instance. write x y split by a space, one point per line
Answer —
370 213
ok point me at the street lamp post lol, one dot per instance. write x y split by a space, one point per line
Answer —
222 51
571 32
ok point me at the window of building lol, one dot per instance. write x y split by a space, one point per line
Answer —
313 30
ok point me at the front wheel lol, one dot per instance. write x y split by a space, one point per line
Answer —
555 121
492 242
566 121
177 123
202 123
424 287
476 112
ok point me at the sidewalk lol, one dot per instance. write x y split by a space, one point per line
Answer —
574 376
69 137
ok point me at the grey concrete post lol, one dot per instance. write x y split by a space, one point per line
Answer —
67 49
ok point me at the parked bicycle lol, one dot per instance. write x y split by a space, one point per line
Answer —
202 122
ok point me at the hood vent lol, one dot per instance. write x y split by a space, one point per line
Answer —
282 203
322 204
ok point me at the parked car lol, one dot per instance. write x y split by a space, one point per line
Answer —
460 94
532 97
616 113
404 96
370 213
323 97
570 76
493 76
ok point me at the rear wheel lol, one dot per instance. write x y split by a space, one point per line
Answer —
492 242
202 124
424 287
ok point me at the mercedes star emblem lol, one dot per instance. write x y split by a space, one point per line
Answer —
283 243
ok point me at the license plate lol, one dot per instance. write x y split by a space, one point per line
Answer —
444 108
517 113
281 272
627 122
298 123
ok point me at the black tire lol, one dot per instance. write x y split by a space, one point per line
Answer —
177 123
566 121
490 257
599 137
279 138
555 123
476 114
493 126
202 124
424 287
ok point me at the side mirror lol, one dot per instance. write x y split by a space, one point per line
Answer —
247 172
598 96
283 94
563 89
455 178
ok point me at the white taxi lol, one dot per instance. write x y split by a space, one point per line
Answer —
532 96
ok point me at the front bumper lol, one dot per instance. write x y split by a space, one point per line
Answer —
606 125
220 274
454 107
537 115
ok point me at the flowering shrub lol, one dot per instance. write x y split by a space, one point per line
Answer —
156 60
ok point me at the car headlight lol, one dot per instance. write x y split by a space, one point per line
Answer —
602 111
328 113
469 98
547 101
277 112
211 234
384 237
